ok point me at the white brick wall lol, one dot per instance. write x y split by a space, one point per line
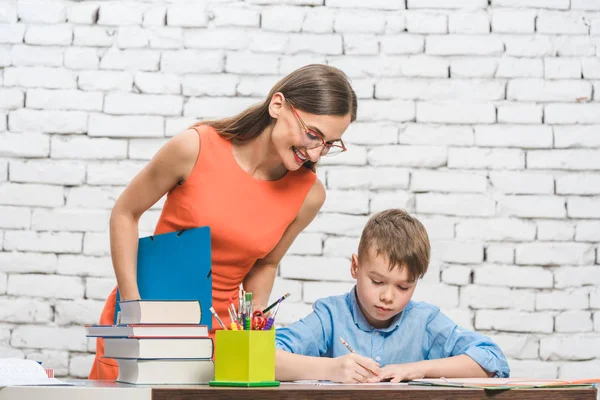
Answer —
482 118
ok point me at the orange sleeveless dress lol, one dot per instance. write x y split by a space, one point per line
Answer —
247 218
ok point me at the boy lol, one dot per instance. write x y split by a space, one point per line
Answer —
395 338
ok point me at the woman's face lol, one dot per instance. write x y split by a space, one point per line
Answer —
295 144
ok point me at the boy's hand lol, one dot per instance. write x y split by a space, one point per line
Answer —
402 372
354 368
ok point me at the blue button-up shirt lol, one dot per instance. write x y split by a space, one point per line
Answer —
419 332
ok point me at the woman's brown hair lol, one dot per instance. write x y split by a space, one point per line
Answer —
316 89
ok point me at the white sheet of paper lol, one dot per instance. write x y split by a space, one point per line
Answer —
329 383
18 372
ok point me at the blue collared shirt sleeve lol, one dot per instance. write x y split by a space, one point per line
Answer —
446 339
311 336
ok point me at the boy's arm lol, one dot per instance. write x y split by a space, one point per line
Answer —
293 367
461 366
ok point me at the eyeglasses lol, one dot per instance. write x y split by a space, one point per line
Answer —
314 139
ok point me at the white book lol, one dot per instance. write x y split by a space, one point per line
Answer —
152 348
147 330
166 372
160 312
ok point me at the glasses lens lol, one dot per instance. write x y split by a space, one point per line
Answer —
331 151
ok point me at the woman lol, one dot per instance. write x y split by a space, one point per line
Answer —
249 177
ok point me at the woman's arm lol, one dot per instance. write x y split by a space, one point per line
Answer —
260 279
171 165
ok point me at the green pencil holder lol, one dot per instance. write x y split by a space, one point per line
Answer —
245 358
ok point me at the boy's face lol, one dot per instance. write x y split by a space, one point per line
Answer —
382 294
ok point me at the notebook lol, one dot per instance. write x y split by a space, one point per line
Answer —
176 266
503 383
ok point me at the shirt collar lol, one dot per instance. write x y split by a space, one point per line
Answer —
361 322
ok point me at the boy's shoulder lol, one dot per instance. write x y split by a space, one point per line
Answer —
332 302
421 308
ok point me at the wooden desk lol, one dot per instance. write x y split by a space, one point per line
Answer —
96 390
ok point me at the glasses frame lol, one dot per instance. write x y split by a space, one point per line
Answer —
323 144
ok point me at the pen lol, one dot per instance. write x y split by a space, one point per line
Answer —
212 310
248 309
285 296
351 350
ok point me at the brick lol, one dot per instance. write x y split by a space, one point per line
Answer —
561 300
83 13
15 218
69 220
5 57
553 22
451 45
317 290
166 38
341 246
555 230
8 12
533 369
513 276
130 103
256 86
521 182
402 44
438 227
40 77
80 365
431 134
25 144
105 80
120 13
39 11
587 231
440 89
562 68
187 15
93 197
527 206
222 39
28 262
437 294
455 204
283 18
64 100
11 99
119 173
31 195
61 35
415 156
95 36
563 347
514 321
540 90
390 110
216 106
563 159
473 67
337 224
307 243
281 286
12 33
585 5
576 277
87 148
485 158
489 297
58 359
375 4
513 21
555 253
149 82
551 4
347 202
358 22
121 126
576 136
455 113
132 37
578 184
96 244
583 207
442 181
468 22
79 265
568 46
318 44
130 59
320 19
78 312
500 253
520 113
358 156
513 67
81 58
457 252
192 61
44 242
361 44
425 22
144 149
367 178
452 4
523 136
517 346
47 337
496 229
528 46
456 275
572 113
579 369
24 120
24 310
315 268
32 56
589 67
384 200
362 133
47 171
595 302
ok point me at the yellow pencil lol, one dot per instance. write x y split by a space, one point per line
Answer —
351 350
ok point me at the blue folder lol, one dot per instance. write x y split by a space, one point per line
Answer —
176 266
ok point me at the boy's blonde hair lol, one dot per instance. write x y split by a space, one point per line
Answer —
399 237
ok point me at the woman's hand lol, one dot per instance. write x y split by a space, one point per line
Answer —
354 368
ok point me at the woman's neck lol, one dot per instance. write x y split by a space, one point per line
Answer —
258 157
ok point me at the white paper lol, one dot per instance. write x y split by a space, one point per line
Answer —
18 372
329 383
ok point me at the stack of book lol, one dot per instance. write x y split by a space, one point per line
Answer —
159 342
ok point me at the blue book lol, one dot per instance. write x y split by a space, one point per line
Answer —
176 266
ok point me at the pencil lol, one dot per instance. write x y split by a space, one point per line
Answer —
351 350
285 296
